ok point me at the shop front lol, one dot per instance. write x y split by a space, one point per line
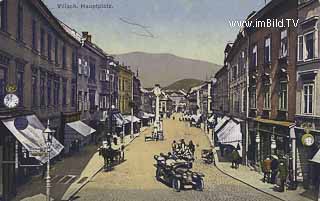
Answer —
22 151
268 138
77 134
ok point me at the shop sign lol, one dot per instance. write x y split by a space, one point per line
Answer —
21 123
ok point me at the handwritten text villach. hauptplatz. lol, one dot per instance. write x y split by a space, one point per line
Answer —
83 6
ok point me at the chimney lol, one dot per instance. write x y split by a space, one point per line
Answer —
89 37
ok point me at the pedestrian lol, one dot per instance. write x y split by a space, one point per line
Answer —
183 145
174 146
274 169
266 170
235 157
283 173
192 147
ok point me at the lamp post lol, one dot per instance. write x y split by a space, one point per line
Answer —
110 121
47 131
258 145
157 93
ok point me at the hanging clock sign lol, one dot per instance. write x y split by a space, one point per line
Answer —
11 88
307 140
21 123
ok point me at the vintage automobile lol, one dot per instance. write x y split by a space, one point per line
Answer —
177 174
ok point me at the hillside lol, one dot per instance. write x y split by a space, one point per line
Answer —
165 69
184 84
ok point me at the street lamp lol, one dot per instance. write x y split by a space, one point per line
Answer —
258 146
47 131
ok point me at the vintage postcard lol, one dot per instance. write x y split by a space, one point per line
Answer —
159 100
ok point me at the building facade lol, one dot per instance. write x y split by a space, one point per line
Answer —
39 57
125 89
308 89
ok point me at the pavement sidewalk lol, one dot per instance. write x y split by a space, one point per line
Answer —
93 167
254 179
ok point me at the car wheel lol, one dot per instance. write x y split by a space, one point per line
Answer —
200 185
158 174
176 184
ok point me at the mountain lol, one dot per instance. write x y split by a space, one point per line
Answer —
184 84
165 69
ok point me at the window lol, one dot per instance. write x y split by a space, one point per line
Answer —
20 84
92 98
49 47
310 45
56 92
34 90
267 97
34 34
300 48
253 97
283 96
42 35
92 76
74 62
267 50
255 56
73 93
42 90
49 90
308 98
234 73
3 83
284 44
56 51
85 98
80 101
64 56
20 21
243 100
3 14
64 92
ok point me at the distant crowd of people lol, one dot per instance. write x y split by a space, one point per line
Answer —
181 149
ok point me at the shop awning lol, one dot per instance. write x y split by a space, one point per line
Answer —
33 138
133 118
145 115
230 133
120 119
220 123
81 128
196 118
316 157
274 122
211 119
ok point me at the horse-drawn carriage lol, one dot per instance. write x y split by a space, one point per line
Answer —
111 156
177 173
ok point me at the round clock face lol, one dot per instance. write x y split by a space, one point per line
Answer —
11 101
309 141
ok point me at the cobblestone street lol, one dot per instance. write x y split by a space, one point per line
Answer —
135 178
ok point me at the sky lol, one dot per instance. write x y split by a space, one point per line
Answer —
196 29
